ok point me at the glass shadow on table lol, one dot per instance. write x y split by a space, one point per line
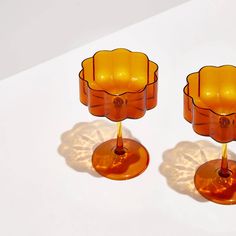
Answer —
77 144
181 162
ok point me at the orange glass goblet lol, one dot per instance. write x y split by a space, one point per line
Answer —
210 105
119 84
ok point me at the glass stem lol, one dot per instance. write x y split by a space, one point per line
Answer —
119 150
224 170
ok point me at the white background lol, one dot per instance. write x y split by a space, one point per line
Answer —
41 195
33 31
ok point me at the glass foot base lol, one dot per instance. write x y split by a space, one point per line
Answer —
212 186
120 167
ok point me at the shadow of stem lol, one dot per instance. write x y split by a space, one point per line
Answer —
77 145
180 164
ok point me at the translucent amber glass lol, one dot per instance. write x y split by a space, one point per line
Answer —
213 186
210 105
131 163
210 102
118 84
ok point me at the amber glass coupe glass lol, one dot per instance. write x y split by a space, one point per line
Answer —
119 84
210 105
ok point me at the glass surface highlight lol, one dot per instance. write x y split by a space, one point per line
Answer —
119 84
210 105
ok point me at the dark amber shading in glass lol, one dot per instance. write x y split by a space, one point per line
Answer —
128 165
212 186
210 102
118 84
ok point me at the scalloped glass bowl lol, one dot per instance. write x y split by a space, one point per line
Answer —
210 105
119 84
210 102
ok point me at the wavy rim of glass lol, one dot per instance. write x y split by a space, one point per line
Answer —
121 94
208 109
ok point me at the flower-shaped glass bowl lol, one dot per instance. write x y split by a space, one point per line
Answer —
119 84
210 105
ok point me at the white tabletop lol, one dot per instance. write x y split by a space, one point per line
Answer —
42 195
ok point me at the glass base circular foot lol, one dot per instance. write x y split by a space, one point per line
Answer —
211 185
128 165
